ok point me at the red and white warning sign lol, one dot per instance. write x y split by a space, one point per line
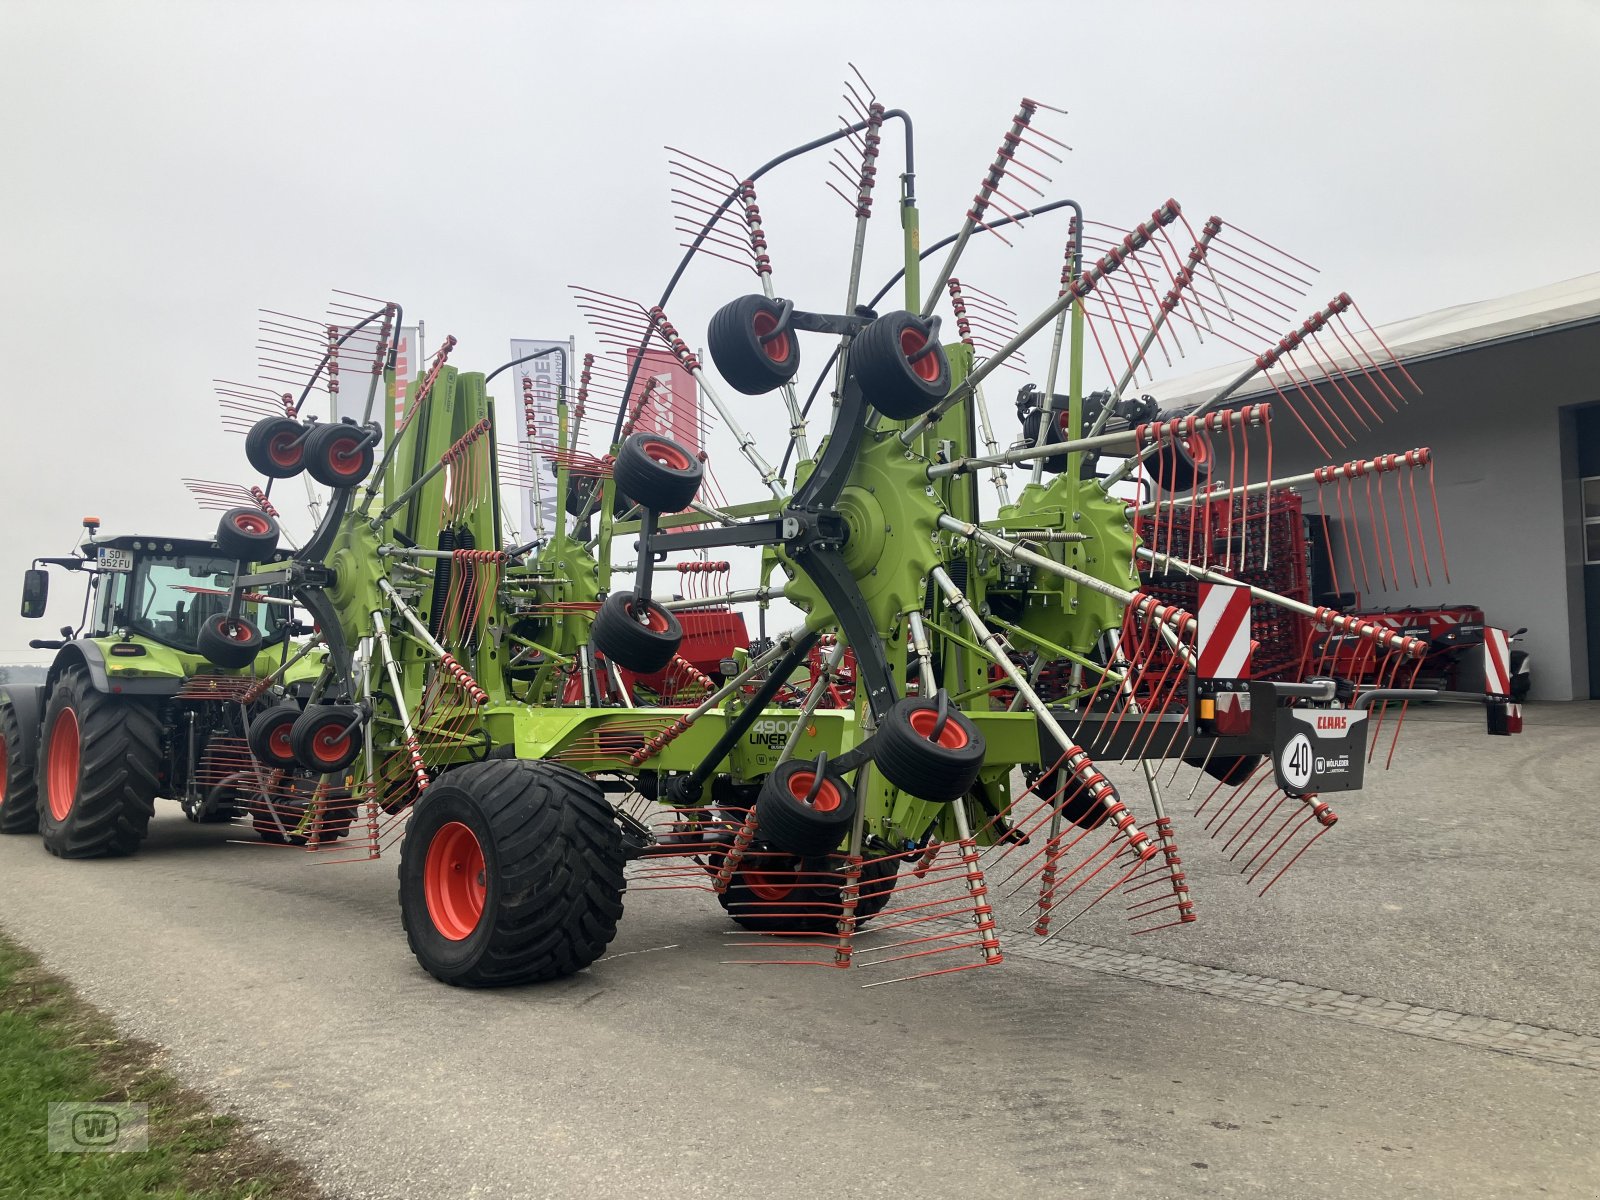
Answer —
1222 649
1496 662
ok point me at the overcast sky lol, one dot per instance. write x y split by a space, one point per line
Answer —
167 168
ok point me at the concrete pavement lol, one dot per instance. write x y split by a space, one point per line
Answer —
1462 882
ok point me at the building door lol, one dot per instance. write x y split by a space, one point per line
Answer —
1588 429
1591 576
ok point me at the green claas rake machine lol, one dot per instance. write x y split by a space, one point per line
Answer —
912 772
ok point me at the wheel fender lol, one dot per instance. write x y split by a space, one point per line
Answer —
27 701
85 654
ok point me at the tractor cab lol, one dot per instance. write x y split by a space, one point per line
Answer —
164 589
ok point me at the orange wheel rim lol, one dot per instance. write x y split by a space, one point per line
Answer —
454 881
828 797
61 765
951 737
776 348
926 367
666 454
766 887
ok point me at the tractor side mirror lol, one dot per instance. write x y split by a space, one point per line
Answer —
35 591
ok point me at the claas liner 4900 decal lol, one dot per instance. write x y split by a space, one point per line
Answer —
526 719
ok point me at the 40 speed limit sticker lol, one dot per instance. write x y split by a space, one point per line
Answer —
1320 749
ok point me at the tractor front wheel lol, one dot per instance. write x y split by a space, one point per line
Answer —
101 756
511 872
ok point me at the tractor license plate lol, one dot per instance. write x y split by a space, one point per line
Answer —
108 559
1320 749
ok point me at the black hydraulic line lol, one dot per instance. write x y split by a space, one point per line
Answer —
827 367
561 350
687 788
683 265
328 357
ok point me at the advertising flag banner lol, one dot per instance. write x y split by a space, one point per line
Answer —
531 409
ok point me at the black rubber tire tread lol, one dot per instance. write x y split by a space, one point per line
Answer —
238 544
1174 466
231 654
553 871
655 485
305 729
815 908
319 447
794 826
888 380
258 442
740 356
118 772
629 644
262 727
914 764
19 804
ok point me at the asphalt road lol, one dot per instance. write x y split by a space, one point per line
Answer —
1208 1061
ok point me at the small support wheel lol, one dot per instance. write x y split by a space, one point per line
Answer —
657 472
794 901
752 346
338 455
247 535
269 736
1181 463
230 642
638 635
327 737
511 872
929 748
805 811
275 447
902 371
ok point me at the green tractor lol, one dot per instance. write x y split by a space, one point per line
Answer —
153 694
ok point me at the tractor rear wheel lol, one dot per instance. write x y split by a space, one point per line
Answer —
511 872
101 756
19 787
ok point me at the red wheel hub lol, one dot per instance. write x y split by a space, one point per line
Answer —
766 887
667 455
251 523
776 347
330 743
454 881
951 737
234 631
61 764
927 367
649 616
344 455
280 743
828 797
285 449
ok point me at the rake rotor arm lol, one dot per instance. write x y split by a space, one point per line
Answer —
686 788
1085 284
728 202
1409 646
894 279
1075 759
